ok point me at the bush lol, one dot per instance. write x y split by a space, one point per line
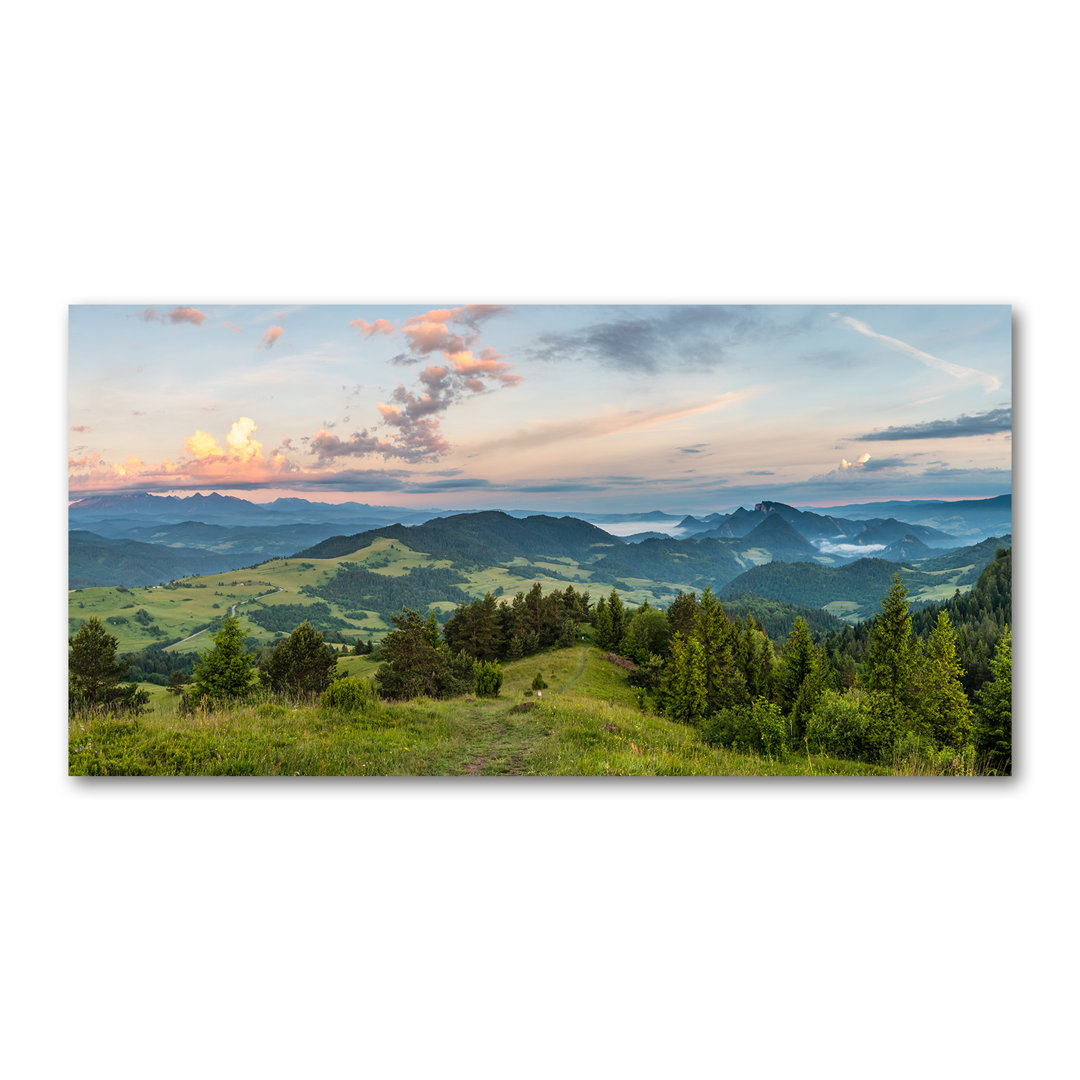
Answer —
838 726
488 678
349 695
759 728
538 683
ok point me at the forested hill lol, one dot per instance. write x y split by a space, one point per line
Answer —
979 618
862 583
98 560
486 537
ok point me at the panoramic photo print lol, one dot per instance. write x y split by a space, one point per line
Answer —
527 540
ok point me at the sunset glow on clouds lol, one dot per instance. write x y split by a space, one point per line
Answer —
486 405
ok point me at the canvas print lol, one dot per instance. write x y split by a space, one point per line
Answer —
529 540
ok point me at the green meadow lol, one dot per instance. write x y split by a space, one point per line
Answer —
586 723
191 607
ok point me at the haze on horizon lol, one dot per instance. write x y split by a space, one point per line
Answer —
614 409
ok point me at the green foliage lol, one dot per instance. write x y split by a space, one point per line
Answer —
538 683
302 666
353 586
95 675
225 671
891 653
838 726
487 678
994 709
647 632
348 695
944 710
282 618
413 667
605 633
801 676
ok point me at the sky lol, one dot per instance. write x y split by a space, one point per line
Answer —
614 409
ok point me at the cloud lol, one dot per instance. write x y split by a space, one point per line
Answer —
330 448
271 335
988 423
413 415
82 427
379 326
203 462
696 337
177 315
989 383
233 327
845 464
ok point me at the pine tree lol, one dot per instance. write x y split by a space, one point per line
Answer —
891 653
618 617
684 690
95 675
801 677
994 707
943 705
301 666
725 684
605 635
224 671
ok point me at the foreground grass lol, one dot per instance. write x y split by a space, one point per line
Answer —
585 723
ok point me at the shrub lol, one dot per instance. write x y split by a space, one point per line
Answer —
838 726
349 695
770 728
488 678
538 683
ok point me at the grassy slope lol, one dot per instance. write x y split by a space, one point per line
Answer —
585 724
190 606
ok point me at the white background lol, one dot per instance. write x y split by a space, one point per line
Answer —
830 152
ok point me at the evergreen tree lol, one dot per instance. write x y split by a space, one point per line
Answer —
618 617
413 667
801 676
95 675
891 652
725 684
943 705
224 671
301 666
994 707
682 614
605 634
684 690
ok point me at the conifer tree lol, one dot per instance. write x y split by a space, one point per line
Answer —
95 675
605 635
801 676
943 705
684 690
224 671
618 617
302 665
725 684
891 654
994 707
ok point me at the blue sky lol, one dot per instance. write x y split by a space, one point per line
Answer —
573 407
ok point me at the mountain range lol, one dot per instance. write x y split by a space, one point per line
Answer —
144 539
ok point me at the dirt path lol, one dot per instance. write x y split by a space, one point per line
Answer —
580 671
503 736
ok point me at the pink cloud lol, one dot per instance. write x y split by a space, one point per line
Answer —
379 326
271 335
188 315
233 327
